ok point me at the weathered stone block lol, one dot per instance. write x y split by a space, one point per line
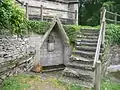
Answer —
1 81
1 60
3 77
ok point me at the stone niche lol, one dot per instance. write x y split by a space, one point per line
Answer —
55 48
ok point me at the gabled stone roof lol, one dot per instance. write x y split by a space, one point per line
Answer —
61 30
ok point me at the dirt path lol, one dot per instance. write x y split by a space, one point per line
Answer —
47 82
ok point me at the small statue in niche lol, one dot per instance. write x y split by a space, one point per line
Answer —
51 43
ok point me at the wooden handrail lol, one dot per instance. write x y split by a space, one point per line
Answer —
100 38
102 32
111 20
113 13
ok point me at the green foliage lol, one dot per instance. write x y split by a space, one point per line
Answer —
75 87
71 32
89 10
109 5
11 16
109 85
38 26
113 34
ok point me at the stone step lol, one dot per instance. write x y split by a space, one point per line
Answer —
86 44
86 48
77 73
80 66
90 30
77 82
81 60
90 34
84 54
87 40
54 69
87 37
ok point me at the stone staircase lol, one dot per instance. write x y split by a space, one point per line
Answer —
79 70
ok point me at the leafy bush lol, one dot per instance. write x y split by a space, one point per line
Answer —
11 16
38 27
113 34
71 32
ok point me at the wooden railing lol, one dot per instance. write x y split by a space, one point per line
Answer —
101 41
115 15
101 36
97 63
43 17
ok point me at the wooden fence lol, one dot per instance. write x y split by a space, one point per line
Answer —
115 15
42 17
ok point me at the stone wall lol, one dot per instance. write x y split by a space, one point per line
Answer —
16 56
20 55
115 55
35 41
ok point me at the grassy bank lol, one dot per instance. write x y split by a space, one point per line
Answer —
28 82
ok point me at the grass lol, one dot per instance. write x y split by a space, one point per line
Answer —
109 85
26 82
19 82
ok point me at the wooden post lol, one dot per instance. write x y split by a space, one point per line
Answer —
76 21
22 4
115 17
103 21
27 11
97 75
101 14
103 38
41 12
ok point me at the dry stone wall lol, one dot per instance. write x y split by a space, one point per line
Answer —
16 56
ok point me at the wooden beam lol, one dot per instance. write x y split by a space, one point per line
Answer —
27 11
76 21
52 9
115 17
41 11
